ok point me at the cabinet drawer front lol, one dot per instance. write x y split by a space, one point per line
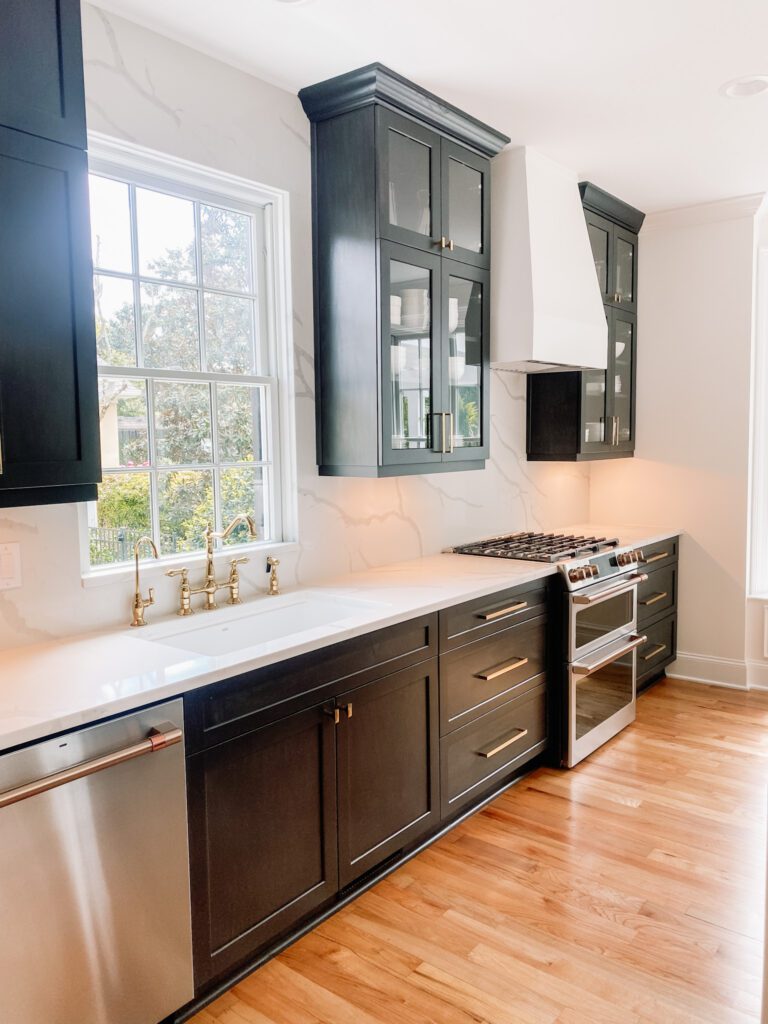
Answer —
479 676
657 594
485 615
218 712
478 755
660 553
658 651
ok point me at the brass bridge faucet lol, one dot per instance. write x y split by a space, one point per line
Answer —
211 584
139 602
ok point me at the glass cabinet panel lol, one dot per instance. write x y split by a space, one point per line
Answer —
594 406
623 341
465 360
465 205
410 352
409 177
625 270
600 239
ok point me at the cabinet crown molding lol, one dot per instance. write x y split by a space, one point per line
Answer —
615 209
376 83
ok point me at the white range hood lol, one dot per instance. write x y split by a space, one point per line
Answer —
546 307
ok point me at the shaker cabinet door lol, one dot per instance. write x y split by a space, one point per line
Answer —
408 181
49 422
262 826
41 69
622 359
388 737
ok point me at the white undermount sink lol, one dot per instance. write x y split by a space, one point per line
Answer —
227 630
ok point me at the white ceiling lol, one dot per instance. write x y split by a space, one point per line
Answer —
627 94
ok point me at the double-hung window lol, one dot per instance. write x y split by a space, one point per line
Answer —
189 388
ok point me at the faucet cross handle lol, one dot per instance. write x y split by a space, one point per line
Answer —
234 580
185 596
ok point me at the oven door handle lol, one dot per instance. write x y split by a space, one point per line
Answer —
629 584
586 668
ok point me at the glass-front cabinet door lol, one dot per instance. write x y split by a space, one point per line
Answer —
411 361
465 195
465 316
622 354
625 269
408 158
600 233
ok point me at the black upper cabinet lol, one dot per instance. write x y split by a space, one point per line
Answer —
590 414
49 423
401 214
41 69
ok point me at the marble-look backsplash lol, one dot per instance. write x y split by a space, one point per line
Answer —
147 89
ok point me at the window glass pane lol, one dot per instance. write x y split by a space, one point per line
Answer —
225 238
410 349
166 228
465 360
185 499
122 516
229 334
110 224
170 329
239 413
182 423
115 320
242 490
409 183
123 422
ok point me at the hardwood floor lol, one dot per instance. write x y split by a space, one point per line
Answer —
627 890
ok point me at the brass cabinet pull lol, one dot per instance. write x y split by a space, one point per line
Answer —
450 245
615 431
334 713
443 242
158 739
348 709
498 747
449 434
501 670
489 616
654 653
656 597
657 558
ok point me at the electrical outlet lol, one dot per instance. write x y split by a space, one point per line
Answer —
10 566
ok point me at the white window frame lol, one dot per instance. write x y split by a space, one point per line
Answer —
145 167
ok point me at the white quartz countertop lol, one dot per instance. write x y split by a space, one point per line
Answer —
60 685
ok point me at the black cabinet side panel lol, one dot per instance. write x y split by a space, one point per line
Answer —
554 414
346 290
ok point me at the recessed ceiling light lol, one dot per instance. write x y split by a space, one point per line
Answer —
295 3
744 87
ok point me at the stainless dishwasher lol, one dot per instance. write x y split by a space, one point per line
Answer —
94 874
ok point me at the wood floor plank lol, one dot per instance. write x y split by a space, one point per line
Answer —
629 890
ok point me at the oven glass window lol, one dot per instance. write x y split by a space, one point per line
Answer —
602 694
599 620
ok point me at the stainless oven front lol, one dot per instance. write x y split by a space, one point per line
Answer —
602 613
602 663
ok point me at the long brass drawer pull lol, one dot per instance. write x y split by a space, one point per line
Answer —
501 670
489 616
654 653
498 747
158 739
657 558
656 597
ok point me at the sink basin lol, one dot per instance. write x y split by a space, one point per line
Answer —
227 631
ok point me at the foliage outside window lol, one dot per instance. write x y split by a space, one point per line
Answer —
186 384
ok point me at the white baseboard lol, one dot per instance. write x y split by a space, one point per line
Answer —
757 675
703 668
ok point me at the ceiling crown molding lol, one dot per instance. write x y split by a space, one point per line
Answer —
376 83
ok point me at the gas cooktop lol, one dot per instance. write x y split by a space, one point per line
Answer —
538 547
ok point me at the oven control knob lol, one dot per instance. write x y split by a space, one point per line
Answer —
639 555
594 571
573 575
625 558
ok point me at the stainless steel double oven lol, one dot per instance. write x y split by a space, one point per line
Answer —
601 651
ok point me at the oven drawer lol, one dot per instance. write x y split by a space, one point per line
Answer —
660 552
657 594
486 615
479 676
658 651
479 755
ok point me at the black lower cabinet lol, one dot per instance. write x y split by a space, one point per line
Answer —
388 768
263 837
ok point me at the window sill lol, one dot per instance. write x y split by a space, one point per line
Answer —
154 570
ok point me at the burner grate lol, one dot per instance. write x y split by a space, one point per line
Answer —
537 547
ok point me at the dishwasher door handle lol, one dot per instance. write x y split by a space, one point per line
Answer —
158 739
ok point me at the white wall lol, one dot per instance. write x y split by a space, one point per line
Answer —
144 88
692 462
